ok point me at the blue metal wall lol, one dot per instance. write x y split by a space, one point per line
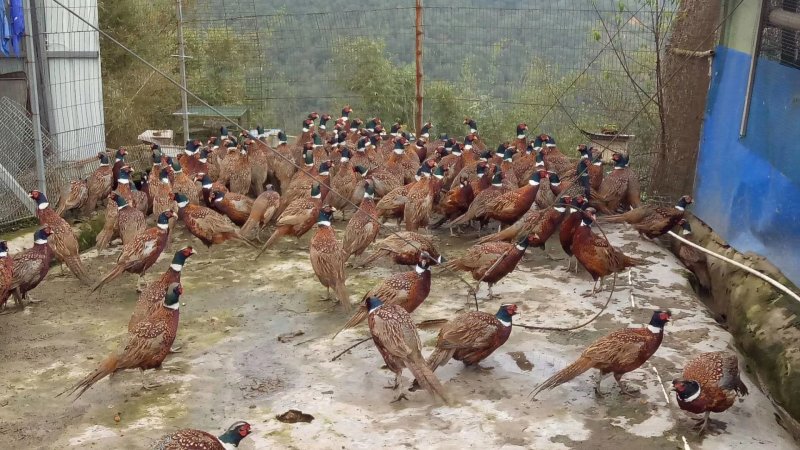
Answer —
748 189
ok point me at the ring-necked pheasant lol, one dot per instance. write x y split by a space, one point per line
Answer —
396 338
614 188
537 224
31 265
146 347
141 252
490 262
405 248
119 162
130 221
363 226
63 242
264 208
568 226
73 196
190 439
406 289
709 383
472 336
152 295
652 221
236 206
298 217
328 258
616 354
183 184
596 255
206 224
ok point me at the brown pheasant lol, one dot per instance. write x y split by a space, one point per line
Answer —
73 196
297 218
396 338
709 383
406 289
405 248
146 347
363 226
261 214
490 262
618 353
190 439
130 221
206 224
31 266
328 258
63 242
652 221
153 294
236 206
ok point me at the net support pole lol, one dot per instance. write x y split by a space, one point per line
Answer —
418 63
30 66
182 58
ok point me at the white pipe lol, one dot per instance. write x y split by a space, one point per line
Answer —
769 280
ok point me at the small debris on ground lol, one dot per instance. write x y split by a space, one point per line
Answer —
286 337
294 416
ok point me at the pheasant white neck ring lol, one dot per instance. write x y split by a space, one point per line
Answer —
654 330
692 397
505 324
44 205
183 204
324 223
40 241
176 267
173 306
679 208
3 254
164 226
420 269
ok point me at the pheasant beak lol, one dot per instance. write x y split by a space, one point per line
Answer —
193 252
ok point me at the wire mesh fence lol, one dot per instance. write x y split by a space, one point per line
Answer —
563 67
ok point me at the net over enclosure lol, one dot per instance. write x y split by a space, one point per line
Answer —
559 66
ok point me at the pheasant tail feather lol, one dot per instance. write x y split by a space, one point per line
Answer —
568 373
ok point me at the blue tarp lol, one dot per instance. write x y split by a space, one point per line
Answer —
748 189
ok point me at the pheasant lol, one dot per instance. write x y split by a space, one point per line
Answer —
594 166
146 347
596 255
110 227
709 383
344 182
141 252
261 214
478 208
521 141
163 197
614 188
537 224
190 439
73 196
64 244
328 258
472 336
259 164
240 175
206 224
6 273
406 289
363 226
569 225
207 186
420 199
512 205
405 248
119 162
281 161
455 203
652 221
396 338
618 353
130 221
297 218
30 266
490 262
127 189
184 185
236 206
152 295
526 163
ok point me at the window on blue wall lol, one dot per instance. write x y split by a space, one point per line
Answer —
778 43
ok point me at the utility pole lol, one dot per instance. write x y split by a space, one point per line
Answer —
182 57
418 59
30 66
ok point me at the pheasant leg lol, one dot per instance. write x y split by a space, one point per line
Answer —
702 424
600 379
623 388
396 383
146 386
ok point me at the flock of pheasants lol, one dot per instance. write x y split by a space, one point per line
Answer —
527 186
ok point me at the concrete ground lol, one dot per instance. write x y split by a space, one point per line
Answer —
233 366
